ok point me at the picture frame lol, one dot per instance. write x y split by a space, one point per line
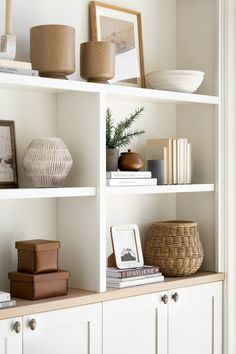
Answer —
124 28
127 246
8 166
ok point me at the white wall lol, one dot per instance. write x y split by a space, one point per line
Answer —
158 18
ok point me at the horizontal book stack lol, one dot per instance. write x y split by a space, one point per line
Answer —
122 278
6 301
17 67
170 160
130 178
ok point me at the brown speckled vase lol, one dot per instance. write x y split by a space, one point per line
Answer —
52 50
97 61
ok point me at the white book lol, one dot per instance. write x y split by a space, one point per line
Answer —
178 162
185 141
118 280
125 284
15 64
129 174
174 160
4 296
124 182
17 71
189 159
6 304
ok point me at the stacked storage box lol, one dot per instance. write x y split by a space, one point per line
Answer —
38 276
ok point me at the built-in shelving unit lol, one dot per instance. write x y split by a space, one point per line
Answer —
80 214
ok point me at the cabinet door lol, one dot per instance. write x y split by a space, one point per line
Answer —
72 331
195 320
11 336
135 325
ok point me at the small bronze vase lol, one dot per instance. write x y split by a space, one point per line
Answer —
130 161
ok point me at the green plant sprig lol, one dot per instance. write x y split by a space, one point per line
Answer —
118 135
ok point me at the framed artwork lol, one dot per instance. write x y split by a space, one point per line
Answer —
122 27
127 246
8 170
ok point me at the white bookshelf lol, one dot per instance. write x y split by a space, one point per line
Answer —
81 213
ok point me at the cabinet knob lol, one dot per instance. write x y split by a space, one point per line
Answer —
175 297
17 327
165 299
32 324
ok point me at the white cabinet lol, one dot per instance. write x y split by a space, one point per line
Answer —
75 330
190 323
195 317
135 325
11 336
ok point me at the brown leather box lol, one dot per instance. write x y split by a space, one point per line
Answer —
38 286
37 256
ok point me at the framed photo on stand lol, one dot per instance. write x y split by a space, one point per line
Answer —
8 169
127 246
124 28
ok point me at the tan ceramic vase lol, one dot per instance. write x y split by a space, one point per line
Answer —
52 50
97 61
130 161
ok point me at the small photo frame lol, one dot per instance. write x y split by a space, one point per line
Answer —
8 169
127 246
124 28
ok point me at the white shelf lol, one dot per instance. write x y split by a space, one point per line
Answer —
113 91
187 188
36 193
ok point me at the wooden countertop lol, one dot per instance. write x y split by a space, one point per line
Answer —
77 297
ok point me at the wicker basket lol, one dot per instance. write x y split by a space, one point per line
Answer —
175 247
47 162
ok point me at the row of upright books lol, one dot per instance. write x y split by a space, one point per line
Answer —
172 159
6 301
130 178
123 278
17 67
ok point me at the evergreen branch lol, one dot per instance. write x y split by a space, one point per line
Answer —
118 136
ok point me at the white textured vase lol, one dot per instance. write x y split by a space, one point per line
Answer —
47 162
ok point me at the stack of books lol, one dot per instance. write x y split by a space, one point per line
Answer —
130 178
122 278
176 154
17 67
6 301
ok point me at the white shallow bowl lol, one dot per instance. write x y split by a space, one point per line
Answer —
187 81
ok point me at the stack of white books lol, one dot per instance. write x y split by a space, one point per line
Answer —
122 278
130 178
177 157
5 300
17 67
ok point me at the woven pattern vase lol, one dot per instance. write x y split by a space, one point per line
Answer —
47 162
175 247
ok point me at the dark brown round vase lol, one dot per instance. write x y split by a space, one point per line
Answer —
130 161
97 61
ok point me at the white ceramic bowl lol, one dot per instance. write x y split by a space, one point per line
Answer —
187 81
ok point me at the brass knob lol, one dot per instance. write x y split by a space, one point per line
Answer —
32 324
165 299
17 327
175 297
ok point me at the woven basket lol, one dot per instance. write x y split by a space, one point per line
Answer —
47 162
175 247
